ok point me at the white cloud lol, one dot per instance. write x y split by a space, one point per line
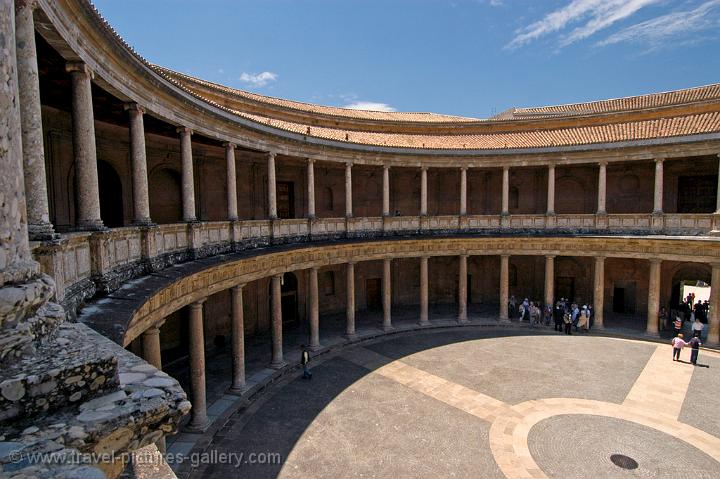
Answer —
595 15
657 30
369 105
258 79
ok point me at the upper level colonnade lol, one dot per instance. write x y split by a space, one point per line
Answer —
101 62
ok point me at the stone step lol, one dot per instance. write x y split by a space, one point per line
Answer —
70 369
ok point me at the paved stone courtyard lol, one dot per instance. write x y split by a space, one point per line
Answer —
484 403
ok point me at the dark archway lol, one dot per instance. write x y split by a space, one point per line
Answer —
165 196
571 196
111 197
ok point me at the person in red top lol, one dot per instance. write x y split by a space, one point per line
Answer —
677 343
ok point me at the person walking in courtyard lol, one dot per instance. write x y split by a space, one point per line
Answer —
694 344
567 320
558 316
677 325
304 360
677 343
697 327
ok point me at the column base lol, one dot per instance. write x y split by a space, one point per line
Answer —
143 222
505 320
238 390
350 336
198 427
388 327
316 347
279 364
463 320
91 225
42 232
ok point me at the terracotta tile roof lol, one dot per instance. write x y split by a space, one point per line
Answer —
190 82
642 102
582 135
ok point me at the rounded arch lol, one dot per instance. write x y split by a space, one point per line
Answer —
165 195
571 195
111 195
687 272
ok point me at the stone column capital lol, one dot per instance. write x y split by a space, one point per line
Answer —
602 163
464 168
23 4
423 168
350 263
272 154
184 130
153 330
229 145
198 304
464 255
599 259
506 167
655 261
311 161
278 276
79 67
659 159
551 165
238 287
132 106
550 256
348 165
505 256
387 167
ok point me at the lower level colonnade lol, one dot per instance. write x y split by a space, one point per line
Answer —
359 296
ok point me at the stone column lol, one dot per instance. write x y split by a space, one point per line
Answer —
232 202
272 187
423 191
151 346
199 420
138 158
314 311
277 333
653 297
387 294
551 190
717 202
238 339
424 318
311 188
463 191
83 125
188 175
348 191
36 194
504 286
602 188
658 198
506 190
714 318
462 289
386 191
549 279
350 302
599 293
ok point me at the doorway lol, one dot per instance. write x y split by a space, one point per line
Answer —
624 297
111 198
286 199
565 287
373 293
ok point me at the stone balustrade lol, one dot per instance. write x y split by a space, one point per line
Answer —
84 264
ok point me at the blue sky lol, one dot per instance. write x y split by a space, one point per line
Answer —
463 57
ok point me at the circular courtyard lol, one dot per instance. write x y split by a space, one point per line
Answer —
474 402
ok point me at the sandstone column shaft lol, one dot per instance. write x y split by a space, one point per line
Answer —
549 279
504 286
138 158
86 171
653 297
272 187
462 289
424 318
238 339
423 192
387 294
717 204
658 198
314 311
350 302
506 191
151 346
714 319
551 190
188 175
15 260
277 332
199 418
232 202
348 191
311 188
36 193
463 191
599 292
602 188
386 191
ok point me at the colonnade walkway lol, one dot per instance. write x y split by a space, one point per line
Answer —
258 353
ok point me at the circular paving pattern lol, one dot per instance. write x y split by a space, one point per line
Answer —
582 446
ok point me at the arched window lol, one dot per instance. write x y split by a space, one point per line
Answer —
165 196
111 197
329 283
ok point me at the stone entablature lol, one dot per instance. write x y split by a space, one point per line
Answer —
77 31
151 307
